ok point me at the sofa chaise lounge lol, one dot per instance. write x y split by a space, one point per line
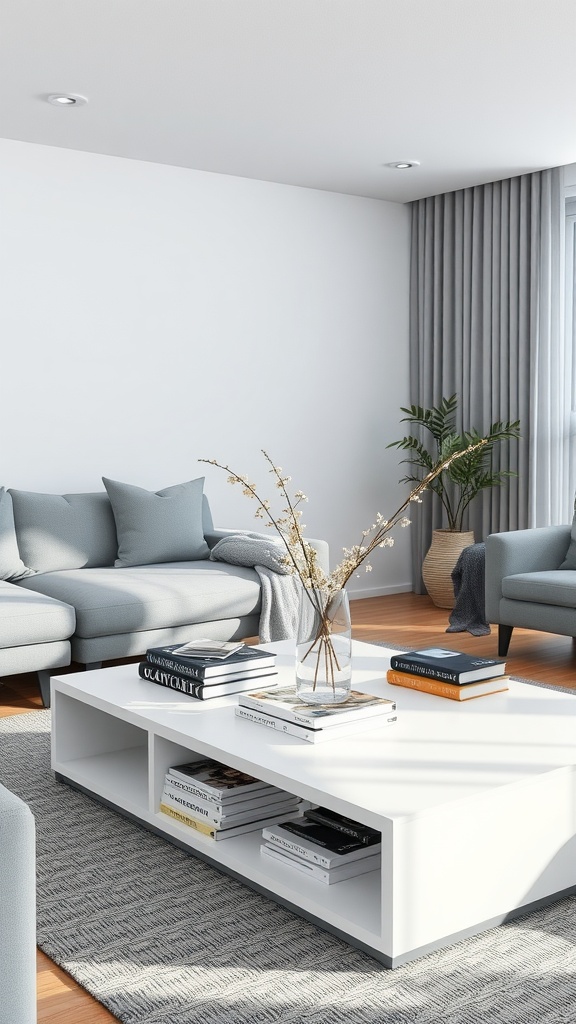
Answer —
105 575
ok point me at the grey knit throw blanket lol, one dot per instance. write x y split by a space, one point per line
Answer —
468 614
280 590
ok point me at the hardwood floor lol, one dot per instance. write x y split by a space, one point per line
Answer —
407 620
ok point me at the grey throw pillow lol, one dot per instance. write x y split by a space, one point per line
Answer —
64 531
570 560
11 565
158 526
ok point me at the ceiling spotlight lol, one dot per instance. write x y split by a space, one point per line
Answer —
403 165
67 99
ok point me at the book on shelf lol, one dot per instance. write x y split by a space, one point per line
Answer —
258 798
213 832
454 691
247 658
203 690
283 702
326 875
320 844
218 781
447 666
348 826
304 732
285 803
203 648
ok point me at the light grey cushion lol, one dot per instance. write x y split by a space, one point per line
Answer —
64 531
11 565
158 526
555 587
151 596
32 618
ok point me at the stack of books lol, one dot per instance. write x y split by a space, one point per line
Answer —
324 845
448 673
204 672
281 709
221 802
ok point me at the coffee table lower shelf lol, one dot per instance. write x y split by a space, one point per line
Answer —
486 845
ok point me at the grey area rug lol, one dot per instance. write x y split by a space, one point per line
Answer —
160 937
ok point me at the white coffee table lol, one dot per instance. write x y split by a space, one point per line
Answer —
476 802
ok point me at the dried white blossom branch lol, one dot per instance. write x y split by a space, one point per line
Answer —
301 558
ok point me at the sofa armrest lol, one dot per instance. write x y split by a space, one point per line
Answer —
321 546
521 551
17 910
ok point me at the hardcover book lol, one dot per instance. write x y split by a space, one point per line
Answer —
283 703
326 875
318 843
285 803
259 798
206 829
448 666
218 780
303 732
350 827
454 691
209 668
204 690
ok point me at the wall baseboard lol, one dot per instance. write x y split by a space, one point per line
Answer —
363 592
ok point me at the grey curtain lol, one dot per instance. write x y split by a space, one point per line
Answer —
486 322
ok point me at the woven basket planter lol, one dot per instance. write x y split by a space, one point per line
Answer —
439 562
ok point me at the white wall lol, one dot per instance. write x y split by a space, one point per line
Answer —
152 315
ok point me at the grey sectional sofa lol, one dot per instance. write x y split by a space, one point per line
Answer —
105 575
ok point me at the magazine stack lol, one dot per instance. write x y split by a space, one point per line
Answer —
208 668
282 710
221 802
324 845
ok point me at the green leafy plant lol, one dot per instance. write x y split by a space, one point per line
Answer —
438 440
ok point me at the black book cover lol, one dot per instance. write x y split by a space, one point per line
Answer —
326 836
448 666
363 833
205 668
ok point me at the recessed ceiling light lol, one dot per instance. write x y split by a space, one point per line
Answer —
66 99
403 165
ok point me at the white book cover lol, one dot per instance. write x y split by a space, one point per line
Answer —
326 875
218 780
212 832
260 798
304 732
283 702
193 808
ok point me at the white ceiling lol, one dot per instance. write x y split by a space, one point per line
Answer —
318 93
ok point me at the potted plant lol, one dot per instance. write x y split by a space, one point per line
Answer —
456 486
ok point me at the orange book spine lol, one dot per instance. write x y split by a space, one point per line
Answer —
451 690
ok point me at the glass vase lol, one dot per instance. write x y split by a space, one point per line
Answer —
323 647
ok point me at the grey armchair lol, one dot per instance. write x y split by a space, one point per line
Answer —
531 581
